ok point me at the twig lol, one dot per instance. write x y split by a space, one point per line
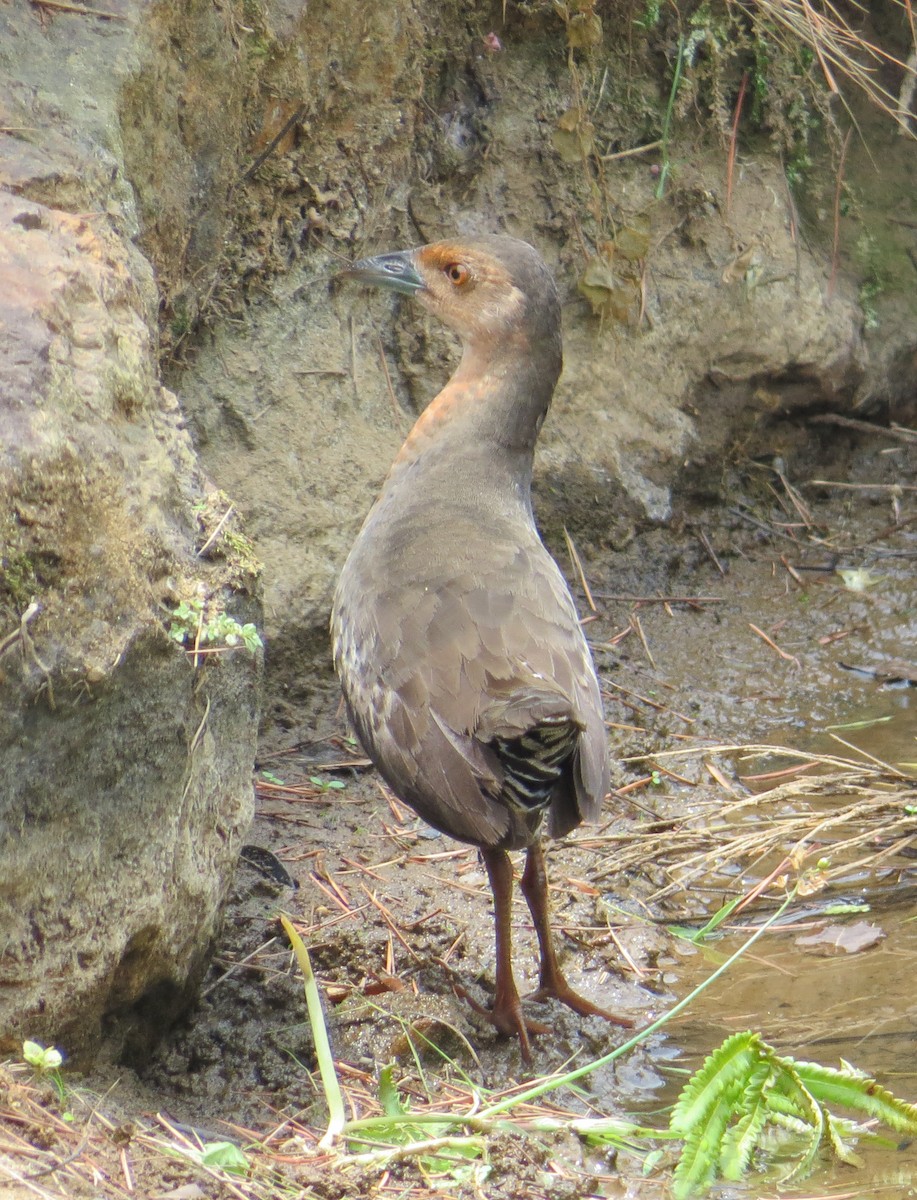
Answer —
638 629
236 966
773 645
733 141
629 153
646 700
79 8
880 762
624 599
390 921
16 636
222 521
898 431
908 87
793 224
865 487
274 143
773 530
396 408
24 638
705 542
579 567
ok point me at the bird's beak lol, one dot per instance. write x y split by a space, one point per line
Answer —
393 271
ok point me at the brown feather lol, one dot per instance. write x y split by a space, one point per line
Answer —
453 628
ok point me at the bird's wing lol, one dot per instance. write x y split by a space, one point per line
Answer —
470 661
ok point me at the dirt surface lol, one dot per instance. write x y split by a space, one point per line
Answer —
395 915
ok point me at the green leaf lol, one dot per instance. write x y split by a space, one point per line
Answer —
392 1105
740 1142
225 1155
788 1089
43 1058
728 1065
699 1163
844 1152
251 638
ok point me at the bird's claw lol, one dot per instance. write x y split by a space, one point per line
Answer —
508 1019
560 990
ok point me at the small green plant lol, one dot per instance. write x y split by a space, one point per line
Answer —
43 1058
748 1100
191 624
224 1155
667 120
47 1061
327 785
649 18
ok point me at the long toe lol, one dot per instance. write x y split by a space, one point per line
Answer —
561 990
510 1020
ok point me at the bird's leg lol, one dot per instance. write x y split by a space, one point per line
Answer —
506 1013
552 982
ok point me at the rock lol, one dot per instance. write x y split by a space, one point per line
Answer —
125 761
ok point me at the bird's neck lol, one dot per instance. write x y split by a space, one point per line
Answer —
491 409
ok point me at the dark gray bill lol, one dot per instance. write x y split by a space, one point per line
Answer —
393 271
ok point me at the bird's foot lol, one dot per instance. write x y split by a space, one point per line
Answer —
559 989
509 1019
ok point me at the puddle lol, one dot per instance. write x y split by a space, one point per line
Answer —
808 1004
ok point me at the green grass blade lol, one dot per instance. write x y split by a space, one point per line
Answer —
332 1088
558 1081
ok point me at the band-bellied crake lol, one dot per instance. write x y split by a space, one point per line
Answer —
463 665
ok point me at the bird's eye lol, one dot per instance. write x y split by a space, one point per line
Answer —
457 273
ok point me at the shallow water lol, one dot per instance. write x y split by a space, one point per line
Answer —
816 1002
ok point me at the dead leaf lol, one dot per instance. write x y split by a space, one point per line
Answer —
633 241
584 30
850 939
605 295
573 135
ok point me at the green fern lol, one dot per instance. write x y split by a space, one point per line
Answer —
741 1140
747 1099
850 1088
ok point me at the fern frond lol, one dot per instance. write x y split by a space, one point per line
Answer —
741 1141
842 1150
852 1089
728 1067
790 1090
699 1162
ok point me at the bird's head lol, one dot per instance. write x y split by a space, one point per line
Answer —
491 290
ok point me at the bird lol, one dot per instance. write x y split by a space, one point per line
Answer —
464 668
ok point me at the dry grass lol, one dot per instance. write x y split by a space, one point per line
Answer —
844 53
861 816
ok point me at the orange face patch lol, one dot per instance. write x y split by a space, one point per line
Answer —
461 266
